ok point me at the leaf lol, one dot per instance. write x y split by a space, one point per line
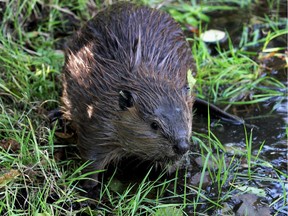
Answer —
9 176
191 80
251 205
168 211
64 135
10 144
213 36
252 190
43 214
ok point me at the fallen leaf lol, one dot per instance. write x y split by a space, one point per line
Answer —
168 211
213 36
10 144
191 80
9 176
252 206
195 179
64 135
252 190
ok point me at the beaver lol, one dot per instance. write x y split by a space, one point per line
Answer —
125 87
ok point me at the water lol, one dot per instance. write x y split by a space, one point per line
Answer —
269 118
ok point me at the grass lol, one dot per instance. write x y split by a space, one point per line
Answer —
38 174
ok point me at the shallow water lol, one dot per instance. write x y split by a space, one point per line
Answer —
267 121
269 127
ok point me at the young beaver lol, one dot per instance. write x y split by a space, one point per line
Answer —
125 87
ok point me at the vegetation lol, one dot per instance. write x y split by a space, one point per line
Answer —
39 174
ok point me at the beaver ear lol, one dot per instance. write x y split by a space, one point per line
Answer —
125 99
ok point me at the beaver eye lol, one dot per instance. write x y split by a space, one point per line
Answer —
154 126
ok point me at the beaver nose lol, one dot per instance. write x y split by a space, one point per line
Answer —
181 146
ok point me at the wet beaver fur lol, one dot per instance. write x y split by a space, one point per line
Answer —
125 87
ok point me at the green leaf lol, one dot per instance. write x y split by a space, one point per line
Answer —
252 190
168 211
191 80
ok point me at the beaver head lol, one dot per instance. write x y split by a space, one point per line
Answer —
155 120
